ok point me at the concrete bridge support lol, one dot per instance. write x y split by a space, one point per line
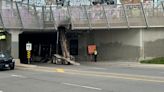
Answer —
15 43
123 44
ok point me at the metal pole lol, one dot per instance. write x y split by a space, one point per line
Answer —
39 53
162 5
2 21
57 42
19 16
28 3
53 19
143 11
43 17
69 14
50 49
35 12
107 19
11 3
126 16
86 13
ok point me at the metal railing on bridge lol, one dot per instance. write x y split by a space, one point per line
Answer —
25 16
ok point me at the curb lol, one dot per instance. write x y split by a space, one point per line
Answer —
18 64
25 65
149 65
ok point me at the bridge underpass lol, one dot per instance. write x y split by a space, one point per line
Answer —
44 46
118 20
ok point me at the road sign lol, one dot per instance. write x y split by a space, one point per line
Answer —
28 54
91 49
28 46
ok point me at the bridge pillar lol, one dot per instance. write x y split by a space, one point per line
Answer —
15 43
142 52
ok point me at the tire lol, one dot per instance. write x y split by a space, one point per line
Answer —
12 66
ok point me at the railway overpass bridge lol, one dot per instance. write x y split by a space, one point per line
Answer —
16 17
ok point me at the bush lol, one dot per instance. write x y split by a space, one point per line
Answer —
159 60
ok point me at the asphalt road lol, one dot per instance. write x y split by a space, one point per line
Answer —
82 79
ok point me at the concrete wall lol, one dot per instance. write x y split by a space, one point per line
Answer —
120 44
154 42
123 44
111 44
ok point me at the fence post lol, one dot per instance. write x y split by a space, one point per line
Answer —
162 6
35 12
28 3
70 17
43 17
51 13
19 16
145 18
107 20
126 16
89 21
2 21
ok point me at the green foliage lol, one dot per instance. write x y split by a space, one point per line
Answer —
159 60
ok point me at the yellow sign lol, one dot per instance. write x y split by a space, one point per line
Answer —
28 54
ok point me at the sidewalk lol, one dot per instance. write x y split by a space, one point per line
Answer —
99 63
123 64
18 64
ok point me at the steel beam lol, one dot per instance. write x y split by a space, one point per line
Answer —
145 18
51 12
162 6
2 21
126 16
86 13
107 19
19 16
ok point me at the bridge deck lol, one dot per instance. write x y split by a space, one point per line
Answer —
22 16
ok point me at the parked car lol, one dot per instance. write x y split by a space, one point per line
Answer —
6 61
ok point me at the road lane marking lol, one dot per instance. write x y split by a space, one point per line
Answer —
88 87
98 68
60 70
18 76
122 77
109 75
1 91
117 74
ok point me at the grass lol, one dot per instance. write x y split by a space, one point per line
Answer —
159 60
